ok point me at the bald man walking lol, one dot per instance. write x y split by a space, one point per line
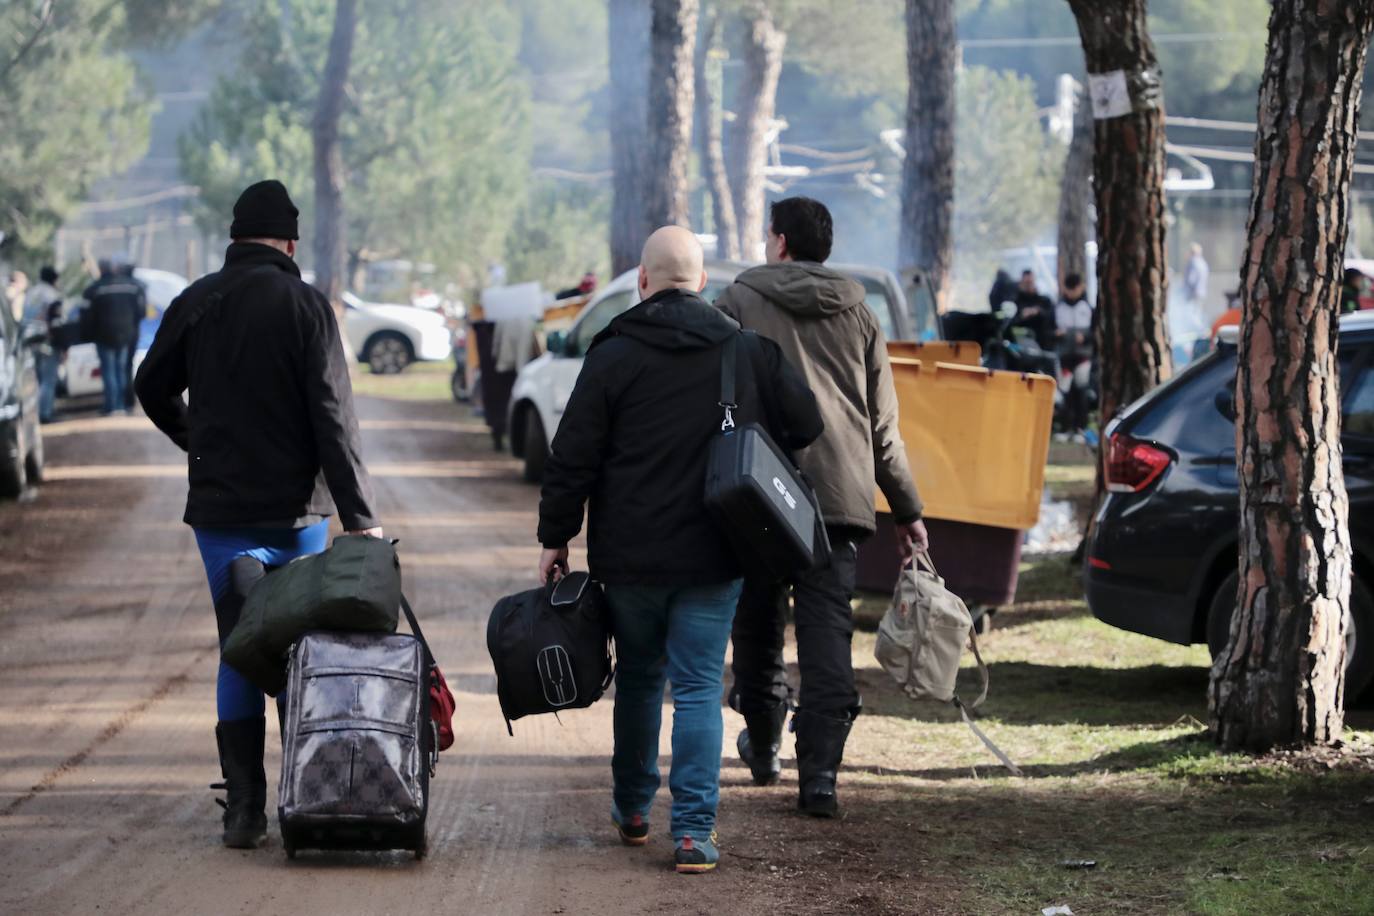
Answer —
633 443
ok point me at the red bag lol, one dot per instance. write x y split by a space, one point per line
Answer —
441 706
441 702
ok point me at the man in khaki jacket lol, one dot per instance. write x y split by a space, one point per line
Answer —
820 320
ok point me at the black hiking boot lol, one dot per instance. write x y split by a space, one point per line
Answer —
758 744
820 748
245 782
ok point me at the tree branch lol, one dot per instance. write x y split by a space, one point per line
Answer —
45 17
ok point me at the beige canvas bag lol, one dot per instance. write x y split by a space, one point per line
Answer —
921 639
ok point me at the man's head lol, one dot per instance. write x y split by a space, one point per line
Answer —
48 275
1027 281
1196 250
1073 283
105 267
799 229
264 214
672 259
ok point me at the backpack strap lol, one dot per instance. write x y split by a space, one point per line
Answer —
987 742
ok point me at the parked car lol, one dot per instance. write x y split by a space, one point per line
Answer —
543 386
390 337
21 441
80 374
1162 558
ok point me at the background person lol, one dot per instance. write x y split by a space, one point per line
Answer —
44 304
820 320
633 447
1074 327
117 304
270 422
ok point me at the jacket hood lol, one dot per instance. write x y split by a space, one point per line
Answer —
804 287
674 319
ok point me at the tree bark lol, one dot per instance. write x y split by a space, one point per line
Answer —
1281 678
672 44
1075 193
926 241
757 101
710 147
629 22
331 239
1128 178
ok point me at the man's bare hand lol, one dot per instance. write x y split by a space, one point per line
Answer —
553 562
911 538
368 532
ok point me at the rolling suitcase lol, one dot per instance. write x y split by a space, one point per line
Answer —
359 744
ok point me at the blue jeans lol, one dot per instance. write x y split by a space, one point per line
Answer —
47 385
677 634
235 696
114 375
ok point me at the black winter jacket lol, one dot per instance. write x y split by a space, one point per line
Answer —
271 406
117 306
635 436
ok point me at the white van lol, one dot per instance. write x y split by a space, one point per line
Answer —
543 386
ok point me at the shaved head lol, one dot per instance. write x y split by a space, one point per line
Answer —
672 259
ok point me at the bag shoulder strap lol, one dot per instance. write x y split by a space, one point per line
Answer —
729 360
211 302
415 628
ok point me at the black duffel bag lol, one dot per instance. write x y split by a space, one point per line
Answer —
354 585
551 647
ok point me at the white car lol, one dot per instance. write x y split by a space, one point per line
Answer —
390 337
543 386
81 371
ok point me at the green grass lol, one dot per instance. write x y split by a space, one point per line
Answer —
419 382
1109 728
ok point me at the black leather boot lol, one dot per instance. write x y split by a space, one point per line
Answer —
245 782
820 748
759 743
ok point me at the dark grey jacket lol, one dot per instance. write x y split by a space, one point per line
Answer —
270 420
820 320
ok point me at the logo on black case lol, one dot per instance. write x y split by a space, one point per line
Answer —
556 676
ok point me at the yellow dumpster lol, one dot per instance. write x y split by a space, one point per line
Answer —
977 441
961 352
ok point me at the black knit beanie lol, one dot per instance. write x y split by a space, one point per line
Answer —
265 211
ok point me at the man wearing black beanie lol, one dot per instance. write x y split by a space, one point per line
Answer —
269 424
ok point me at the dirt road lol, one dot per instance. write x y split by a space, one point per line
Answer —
107 660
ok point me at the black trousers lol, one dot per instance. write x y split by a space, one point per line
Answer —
825 630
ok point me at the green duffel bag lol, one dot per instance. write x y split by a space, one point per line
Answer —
354 585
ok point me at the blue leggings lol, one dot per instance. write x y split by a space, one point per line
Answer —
235 697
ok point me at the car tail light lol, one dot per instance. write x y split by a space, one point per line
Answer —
1131 465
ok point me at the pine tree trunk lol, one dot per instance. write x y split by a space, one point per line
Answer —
331 240
1128 179
757 100
672 43
1075 193
926 243
1281 678
710 147
629 22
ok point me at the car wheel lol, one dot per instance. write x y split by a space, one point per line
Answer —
13 473
1359 640
388 353
536 446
